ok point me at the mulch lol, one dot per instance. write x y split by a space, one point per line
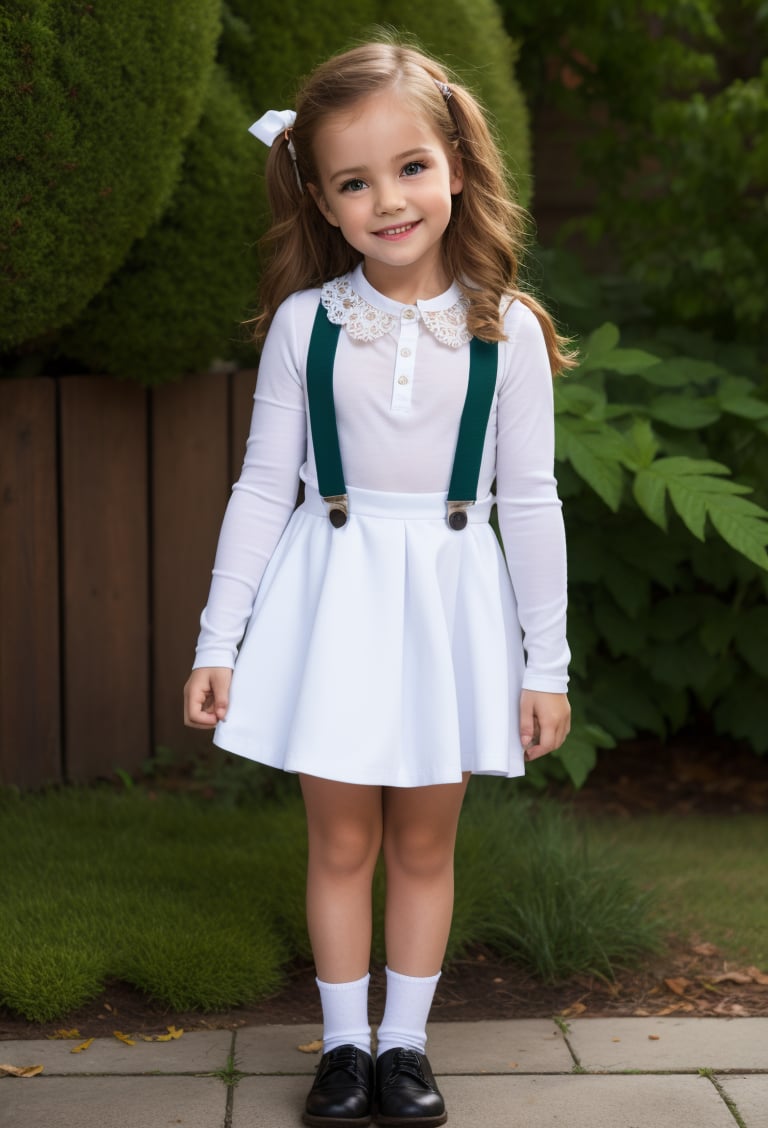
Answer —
691 977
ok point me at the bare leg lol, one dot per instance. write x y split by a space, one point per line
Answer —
344 822
419 837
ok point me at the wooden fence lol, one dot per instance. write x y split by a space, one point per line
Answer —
112 497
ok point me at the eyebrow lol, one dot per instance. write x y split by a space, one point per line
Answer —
423 150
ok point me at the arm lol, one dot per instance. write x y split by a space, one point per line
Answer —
531 523
260 506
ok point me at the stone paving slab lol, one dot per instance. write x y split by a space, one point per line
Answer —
750 1095
526 1046
269 1102
272 1049
523 1046
677 1043
113 1102
584 1102
196 1052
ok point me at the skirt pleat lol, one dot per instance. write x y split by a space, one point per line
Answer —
387 652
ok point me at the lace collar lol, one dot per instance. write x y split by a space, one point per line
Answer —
367 315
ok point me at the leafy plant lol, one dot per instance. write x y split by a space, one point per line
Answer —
667 552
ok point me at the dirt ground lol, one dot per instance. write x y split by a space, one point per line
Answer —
690 978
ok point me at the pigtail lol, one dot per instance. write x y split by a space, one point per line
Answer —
488 233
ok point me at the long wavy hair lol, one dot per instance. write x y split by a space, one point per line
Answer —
484 239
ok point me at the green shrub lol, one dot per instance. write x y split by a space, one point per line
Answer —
659 443
679 161
180 297
96 102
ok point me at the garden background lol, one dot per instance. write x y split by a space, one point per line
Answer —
130 208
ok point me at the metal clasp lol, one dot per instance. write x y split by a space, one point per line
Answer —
457 514
338 509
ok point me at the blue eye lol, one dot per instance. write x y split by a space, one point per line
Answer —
413 168
355 185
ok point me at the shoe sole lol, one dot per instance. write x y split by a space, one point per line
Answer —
411 1121
335 1121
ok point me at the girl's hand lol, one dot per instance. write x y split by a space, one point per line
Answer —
545 720
206 696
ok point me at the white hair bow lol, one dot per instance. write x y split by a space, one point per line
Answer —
270 126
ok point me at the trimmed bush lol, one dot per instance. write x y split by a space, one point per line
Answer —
96 102
183 290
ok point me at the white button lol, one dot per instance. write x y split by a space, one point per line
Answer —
405 352
409 314
403 380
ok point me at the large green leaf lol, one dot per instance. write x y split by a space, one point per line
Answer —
685 411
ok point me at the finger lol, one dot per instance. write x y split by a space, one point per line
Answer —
220 682
527 725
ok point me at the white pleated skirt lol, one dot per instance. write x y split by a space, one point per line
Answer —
387 652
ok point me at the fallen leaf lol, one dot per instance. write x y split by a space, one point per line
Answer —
731 977
615 1039
668 1010
641 1013
21 1070
573 1010
679 985
171 1036
83 1046
123 1038
498 980
311 1047
758 976
654 1037
705 950
733 1009
65 1034
110 1008
512 1065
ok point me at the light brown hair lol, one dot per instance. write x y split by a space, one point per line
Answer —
486 232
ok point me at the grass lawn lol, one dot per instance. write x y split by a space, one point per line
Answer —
201 904
710 874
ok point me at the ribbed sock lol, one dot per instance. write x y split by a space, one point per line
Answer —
345 1014
406 1010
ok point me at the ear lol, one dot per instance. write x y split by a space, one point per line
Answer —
322 204
457 176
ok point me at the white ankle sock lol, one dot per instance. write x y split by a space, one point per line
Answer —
409 999
345 1014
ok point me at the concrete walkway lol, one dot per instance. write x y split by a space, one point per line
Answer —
597 1073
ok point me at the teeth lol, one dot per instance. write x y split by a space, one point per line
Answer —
397 230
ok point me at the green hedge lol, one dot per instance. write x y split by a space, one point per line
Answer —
183 289
96 102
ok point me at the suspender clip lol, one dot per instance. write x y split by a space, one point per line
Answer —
338 509
457 514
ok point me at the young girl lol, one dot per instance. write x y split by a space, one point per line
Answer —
390 650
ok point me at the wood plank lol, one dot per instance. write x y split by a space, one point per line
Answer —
30 712
190 487
106 606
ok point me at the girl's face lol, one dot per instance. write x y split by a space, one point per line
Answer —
386 180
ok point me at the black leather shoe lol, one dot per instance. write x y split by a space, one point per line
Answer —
342 1092
406 1090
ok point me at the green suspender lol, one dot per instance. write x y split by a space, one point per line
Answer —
462 492
322 416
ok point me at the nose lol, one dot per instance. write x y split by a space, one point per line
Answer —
389 198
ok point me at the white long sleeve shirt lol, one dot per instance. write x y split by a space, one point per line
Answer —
400 379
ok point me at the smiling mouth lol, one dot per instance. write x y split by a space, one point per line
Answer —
397 232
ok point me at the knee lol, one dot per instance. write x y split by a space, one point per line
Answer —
419 852
345 849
